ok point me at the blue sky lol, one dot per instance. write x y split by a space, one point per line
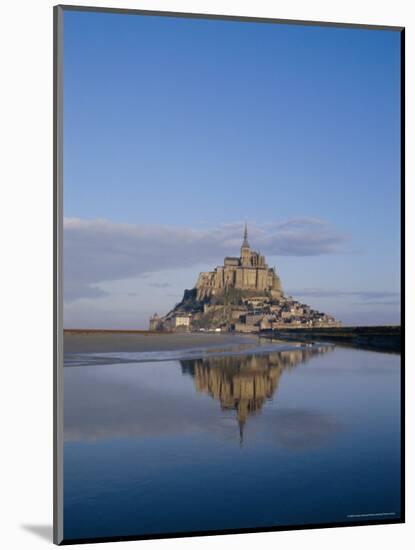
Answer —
178 130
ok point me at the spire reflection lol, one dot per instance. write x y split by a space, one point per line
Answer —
243 383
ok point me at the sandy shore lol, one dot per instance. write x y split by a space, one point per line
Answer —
107 341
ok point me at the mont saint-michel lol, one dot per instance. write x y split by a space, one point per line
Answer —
243 295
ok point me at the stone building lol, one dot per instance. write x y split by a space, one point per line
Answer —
156 323
244 295
180 322
248 272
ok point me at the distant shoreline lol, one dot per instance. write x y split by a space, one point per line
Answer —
371 338
107 331
287 330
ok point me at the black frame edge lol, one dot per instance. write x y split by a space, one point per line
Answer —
403 278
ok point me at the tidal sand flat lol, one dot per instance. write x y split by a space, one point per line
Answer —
96 341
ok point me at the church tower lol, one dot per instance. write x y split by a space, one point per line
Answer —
245 250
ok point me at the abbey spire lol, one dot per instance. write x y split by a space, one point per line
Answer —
245 243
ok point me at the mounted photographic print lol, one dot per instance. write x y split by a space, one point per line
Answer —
228 275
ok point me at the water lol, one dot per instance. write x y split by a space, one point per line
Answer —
276 435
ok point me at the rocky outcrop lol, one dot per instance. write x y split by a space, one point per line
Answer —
243 294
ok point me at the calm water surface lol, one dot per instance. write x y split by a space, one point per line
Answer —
274 435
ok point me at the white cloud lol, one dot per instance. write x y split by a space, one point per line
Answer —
98 251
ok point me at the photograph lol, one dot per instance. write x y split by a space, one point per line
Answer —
229 265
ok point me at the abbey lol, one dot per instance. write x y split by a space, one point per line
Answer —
243 295
248 272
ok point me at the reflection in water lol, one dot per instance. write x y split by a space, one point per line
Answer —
144 441
244 383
